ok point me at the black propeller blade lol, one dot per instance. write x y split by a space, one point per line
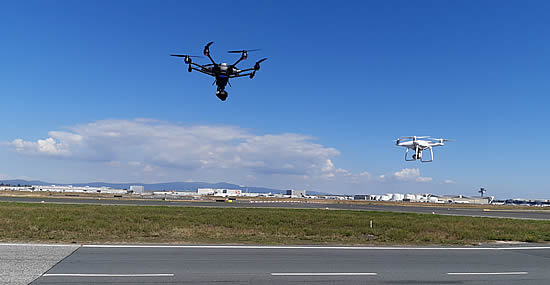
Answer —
257 65
244 50
185 55
206 50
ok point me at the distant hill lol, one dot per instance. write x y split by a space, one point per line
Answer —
168 186
16 182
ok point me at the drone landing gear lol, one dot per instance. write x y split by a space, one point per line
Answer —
431 156
407 156
418 156
222 94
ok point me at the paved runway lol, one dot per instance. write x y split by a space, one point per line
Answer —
476 212
300 265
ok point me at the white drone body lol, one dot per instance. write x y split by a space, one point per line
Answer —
419 144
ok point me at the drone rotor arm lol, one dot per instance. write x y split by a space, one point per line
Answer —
207 52
239 60
253 69
236 62
199 65
211 59
246 70
202 71
240 74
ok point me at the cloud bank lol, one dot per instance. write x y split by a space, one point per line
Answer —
150 149
161 144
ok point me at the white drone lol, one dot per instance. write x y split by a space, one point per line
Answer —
419 144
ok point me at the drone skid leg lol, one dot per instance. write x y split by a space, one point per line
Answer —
406 153
431 156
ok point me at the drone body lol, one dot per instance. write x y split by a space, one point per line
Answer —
419 144
222 72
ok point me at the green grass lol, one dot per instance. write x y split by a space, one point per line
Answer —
140 224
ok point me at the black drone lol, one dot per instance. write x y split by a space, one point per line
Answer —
222 71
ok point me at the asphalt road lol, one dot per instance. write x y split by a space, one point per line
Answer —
300 265
475 212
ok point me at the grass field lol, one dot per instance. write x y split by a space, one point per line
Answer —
52 223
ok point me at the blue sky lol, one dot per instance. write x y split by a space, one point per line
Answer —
343 80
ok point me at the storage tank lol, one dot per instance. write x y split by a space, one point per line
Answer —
386 197
398 197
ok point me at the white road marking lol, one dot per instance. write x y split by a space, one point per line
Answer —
106 275
325 274
277 247
309 247
488 273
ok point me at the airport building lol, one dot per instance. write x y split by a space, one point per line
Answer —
460 199
174 193
394 197
82 189
426 198
136 189
219 192
15 188
296 193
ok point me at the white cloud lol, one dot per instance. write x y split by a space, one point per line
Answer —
423 179
134 163
47 146
154 145
449 181
406 175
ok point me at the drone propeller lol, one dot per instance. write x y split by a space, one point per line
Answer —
257 65
186 58
244 53
415 137
206 50
185 55
244 50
